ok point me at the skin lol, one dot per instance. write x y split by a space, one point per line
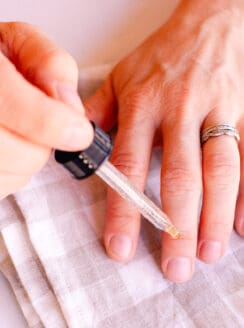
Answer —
187 76
39 105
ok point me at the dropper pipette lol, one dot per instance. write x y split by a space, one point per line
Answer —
94 159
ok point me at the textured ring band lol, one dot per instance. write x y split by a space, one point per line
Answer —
219 130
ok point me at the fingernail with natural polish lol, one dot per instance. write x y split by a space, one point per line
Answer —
68 94
210 250
120 246
178 269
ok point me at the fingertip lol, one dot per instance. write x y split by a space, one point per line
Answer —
122 226
41 61
51 123
77 136
210 251
178 269
119 247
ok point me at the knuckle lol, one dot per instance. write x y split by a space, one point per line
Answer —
178 89
120 221
57 58
128 165
134 101
220 227
54 61
176 179
10 28
220 167
15 33
177 93
135 106
17 26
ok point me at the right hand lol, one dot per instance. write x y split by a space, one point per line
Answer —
39 105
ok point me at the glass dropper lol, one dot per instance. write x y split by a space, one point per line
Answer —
94 159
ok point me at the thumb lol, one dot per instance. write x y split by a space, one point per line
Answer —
102 106
41 62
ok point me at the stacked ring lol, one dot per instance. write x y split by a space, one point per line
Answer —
219 130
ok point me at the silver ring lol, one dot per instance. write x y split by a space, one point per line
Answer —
219 130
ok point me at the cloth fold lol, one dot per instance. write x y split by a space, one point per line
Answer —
52 254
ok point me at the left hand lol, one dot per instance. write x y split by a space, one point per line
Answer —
188 76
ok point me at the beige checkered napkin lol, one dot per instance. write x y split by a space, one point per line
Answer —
52 255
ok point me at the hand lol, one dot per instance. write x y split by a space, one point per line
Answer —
39 106
188 76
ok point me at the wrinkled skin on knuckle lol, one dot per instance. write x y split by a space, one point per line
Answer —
52 61
8 30
220 227
121 222
13 35
221 169
11 28
182 95
141 103
127 164
177 180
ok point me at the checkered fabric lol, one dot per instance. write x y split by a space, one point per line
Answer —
52 254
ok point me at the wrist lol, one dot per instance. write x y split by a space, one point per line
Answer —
207 7
191 13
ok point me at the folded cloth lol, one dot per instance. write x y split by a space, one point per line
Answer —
51 252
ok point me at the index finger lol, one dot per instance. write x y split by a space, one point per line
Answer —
41 61
27 111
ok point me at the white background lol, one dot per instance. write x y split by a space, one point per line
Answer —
94 32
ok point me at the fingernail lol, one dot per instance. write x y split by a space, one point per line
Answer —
120 246
210 250
78 136
68 94
178 269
